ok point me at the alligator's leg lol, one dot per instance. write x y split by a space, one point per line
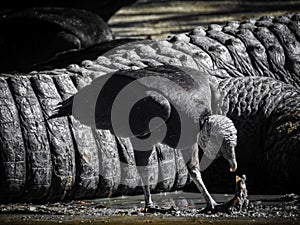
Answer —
191 158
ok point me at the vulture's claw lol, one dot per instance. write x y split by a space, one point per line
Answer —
223 208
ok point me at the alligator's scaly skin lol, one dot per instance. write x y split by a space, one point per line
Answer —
266 113
256 47
264 47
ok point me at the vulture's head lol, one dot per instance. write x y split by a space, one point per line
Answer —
218 137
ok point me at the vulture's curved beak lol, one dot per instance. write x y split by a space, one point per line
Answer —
233 165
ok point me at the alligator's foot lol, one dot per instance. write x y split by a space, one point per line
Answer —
156 209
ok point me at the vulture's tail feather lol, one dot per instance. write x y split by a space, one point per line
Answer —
64 108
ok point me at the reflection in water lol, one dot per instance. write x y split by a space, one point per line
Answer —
176 199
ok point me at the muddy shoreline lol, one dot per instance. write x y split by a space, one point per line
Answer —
263 209
16 220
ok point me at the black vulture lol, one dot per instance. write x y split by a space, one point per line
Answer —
175 106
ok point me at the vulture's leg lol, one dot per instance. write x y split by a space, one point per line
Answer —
191 158
142 160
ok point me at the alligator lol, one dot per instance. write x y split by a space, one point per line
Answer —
255 64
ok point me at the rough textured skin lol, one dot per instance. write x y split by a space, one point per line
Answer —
51 160
33 127
76 57
130 177
108 162
266 113
59 136
230 54
13 152
166 165
262 47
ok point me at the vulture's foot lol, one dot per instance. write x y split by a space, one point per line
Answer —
216 208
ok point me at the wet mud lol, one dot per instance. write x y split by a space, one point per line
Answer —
186 206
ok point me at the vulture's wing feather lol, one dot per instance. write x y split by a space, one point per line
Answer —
115 102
